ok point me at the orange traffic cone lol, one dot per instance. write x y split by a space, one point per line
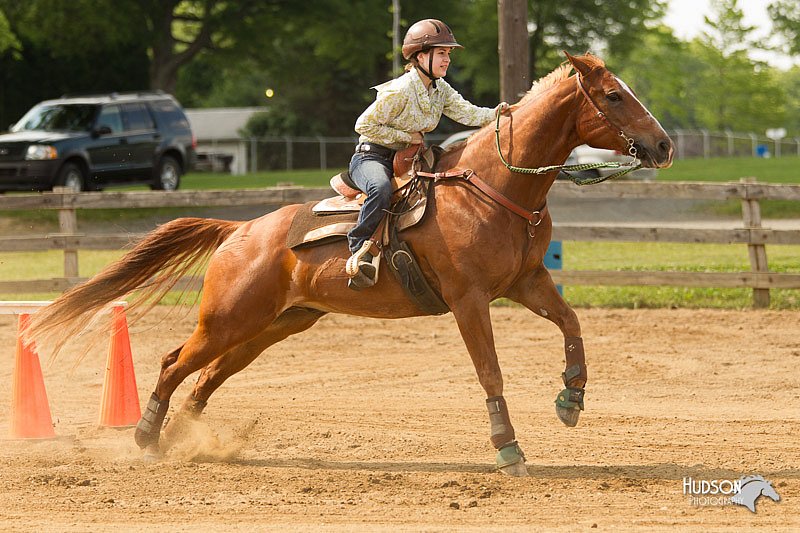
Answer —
120 405
30 412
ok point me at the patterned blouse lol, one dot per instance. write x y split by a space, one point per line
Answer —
404 106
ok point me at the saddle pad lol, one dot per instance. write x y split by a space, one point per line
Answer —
311 229
318 223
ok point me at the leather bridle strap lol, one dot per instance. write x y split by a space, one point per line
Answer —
604 118
534 218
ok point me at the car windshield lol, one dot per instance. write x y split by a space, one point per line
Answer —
54 117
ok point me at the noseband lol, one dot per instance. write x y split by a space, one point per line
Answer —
630 167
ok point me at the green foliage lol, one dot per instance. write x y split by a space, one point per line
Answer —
710 82
786 17
322 56
7 38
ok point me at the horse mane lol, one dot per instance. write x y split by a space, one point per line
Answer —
559 74
748 479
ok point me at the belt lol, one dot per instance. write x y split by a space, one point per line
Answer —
377 149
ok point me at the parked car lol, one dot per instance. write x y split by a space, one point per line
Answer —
586 154
90 142
580 155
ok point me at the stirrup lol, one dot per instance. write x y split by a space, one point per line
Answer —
362 272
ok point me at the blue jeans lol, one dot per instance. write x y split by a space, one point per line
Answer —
373 175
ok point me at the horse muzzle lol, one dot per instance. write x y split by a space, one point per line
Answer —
655 155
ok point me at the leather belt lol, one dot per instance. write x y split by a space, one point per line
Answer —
377 149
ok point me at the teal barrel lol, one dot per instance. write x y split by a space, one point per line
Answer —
553 260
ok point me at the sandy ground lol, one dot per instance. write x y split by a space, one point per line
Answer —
386 429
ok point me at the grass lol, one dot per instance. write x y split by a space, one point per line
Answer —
577 255
676 257
722 169
725 169
682 257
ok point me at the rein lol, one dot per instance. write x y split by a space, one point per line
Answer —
576 168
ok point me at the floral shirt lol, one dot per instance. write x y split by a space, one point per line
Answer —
404 106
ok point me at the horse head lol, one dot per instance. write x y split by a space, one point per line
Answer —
614 118
751 488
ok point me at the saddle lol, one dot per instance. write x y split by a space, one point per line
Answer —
331 218
321 222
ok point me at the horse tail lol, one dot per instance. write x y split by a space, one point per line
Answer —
155 265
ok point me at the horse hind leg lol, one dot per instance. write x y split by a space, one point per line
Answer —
210 339
292 321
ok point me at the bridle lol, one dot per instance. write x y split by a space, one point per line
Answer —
630 166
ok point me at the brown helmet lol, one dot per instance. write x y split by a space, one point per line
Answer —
427 34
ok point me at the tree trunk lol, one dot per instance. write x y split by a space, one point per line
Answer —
512 16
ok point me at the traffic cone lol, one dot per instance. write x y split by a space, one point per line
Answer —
30 412
120 404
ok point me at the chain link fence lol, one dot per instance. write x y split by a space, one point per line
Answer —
295 153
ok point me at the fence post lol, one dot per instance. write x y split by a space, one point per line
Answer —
68 226
706 144
751 217
253 155
680 144
729 135
323 153
289 154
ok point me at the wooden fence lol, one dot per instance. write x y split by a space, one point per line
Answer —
747 191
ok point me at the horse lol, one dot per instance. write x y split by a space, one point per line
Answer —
753 487
474 246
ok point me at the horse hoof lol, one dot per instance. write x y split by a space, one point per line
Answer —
152 454
511 461
569 416
515 470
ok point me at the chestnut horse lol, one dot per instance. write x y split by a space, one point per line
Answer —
471 248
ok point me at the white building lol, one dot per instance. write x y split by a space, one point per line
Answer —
217 132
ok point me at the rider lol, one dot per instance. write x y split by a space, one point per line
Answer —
404 109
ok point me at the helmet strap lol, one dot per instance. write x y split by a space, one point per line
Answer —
428 73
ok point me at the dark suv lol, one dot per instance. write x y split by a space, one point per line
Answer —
89 142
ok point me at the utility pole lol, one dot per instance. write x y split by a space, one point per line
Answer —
512 47
396 38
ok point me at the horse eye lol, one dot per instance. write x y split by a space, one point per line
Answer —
614 96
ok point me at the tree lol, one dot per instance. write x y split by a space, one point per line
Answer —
611 27
734 92
662 71
786 16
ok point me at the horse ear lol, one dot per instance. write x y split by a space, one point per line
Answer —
579 65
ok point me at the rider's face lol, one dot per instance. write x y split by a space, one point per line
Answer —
441 60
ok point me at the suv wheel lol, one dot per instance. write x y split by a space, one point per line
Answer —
72 177
168 174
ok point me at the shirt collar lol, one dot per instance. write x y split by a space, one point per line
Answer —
419 86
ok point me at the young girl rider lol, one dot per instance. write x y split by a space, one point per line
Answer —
404 109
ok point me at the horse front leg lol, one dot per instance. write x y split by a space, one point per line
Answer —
536 291
474 323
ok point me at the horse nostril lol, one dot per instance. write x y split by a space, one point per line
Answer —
664 147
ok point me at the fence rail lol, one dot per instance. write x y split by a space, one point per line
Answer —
751 234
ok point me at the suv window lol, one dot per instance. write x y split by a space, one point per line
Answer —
170 115
111 117
59 117
137 117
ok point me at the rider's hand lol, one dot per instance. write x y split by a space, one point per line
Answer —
505 109
416 138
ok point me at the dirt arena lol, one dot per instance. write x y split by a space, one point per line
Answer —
386 429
